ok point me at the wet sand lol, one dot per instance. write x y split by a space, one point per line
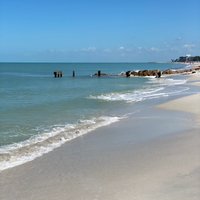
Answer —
148 157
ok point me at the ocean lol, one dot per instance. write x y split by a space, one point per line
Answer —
39 113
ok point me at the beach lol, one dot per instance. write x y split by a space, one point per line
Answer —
149 156
99 100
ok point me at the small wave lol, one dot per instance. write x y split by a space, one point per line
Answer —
129 97
167 81
49 139
139 95
188 66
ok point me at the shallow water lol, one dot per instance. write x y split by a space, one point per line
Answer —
40 112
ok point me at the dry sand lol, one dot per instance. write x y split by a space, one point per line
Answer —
186 104
194 79
189 104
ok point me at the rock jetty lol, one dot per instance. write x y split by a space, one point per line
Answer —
181 71
158 73
142 73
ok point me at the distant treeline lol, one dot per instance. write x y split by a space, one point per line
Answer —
187 59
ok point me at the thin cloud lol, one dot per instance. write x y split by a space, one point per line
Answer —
107 50
125 49
121 48
154 49
89 49
179 38
188 46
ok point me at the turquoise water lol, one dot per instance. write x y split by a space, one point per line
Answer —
39 112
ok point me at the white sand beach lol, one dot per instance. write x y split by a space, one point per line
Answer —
99 100
195 79
186 104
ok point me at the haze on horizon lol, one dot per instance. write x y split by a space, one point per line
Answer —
98 30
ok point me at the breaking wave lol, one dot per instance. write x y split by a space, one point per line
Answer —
48 139
135 96
167 81
138 95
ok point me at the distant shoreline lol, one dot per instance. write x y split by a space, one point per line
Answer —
100 62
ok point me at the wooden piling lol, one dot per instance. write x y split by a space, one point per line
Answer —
58 74
99 73
73 74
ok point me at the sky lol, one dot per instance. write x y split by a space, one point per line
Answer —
98 30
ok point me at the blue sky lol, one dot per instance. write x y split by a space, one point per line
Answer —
98 30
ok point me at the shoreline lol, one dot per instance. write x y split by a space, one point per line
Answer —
116 162
185 104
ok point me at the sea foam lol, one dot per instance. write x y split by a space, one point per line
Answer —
164 90
134 96
167 81
22 152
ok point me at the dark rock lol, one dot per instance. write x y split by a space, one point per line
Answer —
140 73
168 71
134 73
158 75
148 73
197 68
128 73
102 74
145 73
